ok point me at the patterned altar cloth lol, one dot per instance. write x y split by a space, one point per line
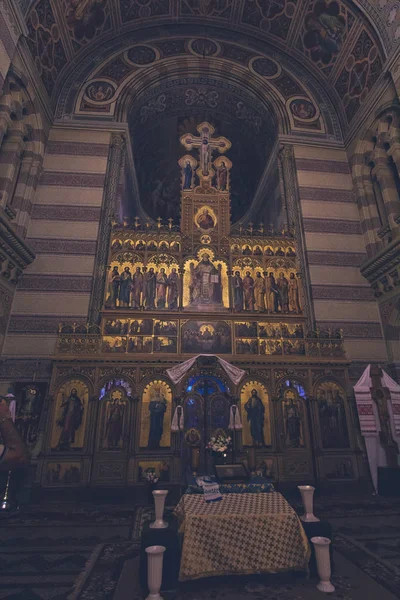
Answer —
241 534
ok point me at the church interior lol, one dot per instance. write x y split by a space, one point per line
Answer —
200 298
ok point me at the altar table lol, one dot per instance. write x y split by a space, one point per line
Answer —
240 535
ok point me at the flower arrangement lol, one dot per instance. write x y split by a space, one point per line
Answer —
219 445
150 475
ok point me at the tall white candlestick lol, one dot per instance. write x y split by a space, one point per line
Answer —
159 501
307 494
321 545
155 555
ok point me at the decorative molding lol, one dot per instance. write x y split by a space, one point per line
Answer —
39 323
55 212
291 190
325 194
115 162
322 166
354 329
80 180
14 245
332 226
342 292
60 246
77 149
335 259
56 283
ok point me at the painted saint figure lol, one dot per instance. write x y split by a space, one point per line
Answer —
207 288
137 288
248 291
283 295
294 304
113 288
222 177
157 409
237 288
149 289
256 415
114 424
161 288
293 426
205 220
125 287
187 176
71 419
259 291
173 289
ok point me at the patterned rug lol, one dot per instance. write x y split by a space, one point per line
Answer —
44 551
64 553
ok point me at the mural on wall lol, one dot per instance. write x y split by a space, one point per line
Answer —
362 69
71 406
326 26
63 473
86 19
206 337
155 424
293 416
209 8
115 409
45 43
273 17
303 109
131 10
30 399
254 403
159 469
332 415
205 281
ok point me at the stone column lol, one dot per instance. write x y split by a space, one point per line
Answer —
295 220
115 160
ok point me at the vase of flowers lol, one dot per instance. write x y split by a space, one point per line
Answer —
218 447
150 476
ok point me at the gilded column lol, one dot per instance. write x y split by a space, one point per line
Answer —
115 161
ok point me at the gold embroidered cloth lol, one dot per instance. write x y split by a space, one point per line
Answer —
241 534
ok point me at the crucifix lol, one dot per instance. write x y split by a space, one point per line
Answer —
206 145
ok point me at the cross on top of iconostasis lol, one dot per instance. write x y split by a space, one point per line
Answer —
206 145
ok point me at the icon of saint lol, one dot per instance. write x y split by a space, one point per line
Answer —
256 415
205 220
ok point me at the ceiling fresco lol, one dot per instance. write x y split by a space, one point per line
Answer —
320 35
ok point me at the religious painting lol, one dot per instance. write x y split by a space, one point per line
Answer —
205 283
267 468
141 327
338 468
303 109
324 31
167 345
269 330
114 415
202 337
85 17
246 329
273 347
160 469
161 284
293 417
114 345
246 346
255 412
293 347
140 344
116 326
165 327
63 473
155 425
71 401
332 415
291 330
30 400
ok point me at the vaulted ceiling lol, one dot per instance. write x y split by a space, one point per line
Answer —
340 43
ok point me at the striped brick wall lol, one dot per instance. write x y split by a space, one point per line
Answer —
63 233
335 249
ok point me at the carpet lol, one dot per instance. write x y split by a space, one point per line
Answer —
45 550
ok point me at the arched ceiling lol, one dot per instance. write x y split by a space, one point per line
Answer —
339 43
